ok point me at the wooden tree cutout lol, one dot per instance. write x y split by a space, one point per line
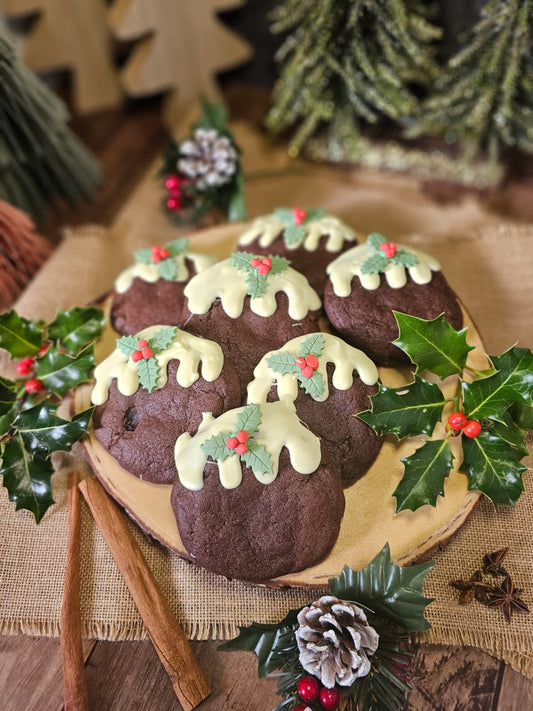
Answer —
182 45
73 35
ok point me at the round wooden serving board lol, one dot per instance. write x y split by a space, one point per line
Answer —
369 520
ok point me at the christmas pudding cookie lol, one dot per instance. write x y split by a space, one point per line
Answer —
311 239
329 382
149 390
368 282
256 497
250 304
151 290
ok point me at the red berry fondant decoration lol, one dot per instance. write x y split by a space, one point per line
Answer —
388 248
159 253
34 386
307 364
238 442
258 270
262 266
25 365
165 258
457 420
142 352
308 688
304 365
329 699
298 215
382 254
472 428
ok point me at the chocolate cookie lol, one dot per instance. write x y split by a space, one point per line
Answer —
257 525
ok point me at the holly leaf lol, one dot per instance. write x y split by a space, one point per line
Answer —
249 419
284 214
143 256
148 370
279 265
522 415
314 345
77 327
511 434
19 336
167 269
490 397
493 467
403 258
213 115
8 395
216 447
27 478
163 338
432 345
314 385
375 240
43 432
178 246
409 410
60 372
375 264
293 234
315 213
128 344
389 590
257 285
257 458
236 211
283 363
424 475
241 261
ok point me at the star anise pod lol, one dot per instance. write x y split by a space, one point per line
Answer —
475 587
508 598
492 563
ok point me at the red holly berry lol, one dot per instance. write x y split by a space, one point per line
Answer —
242 436
329 698
34 386
156 256
300 362
307 371
25 365
172 182
311 361
302 707
173 203
267 262
388 249
164 253
43 350
457 420
143 343
241 449
255 262
308 688
147 353
472 428
232 442
136 356
298 215
263 269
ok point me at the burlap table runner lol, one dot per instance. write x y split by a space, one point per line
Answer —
487 263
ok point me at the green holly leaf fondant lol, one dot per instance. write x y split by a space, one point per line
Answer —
27 477
424 475
162 339
387 589
148 370
403 258
293 234
178 246
375 240
284 214
279 265
283 363
143 255
375 264
257 458
313 345
168 269
19 336
409 410
77 327
241 261
314 385
433 345
249 419
257 285
490 397
43 432
314 214
128 344
60 372
216 447
493 467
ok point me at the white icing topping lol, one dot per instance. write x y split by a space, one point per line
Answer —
349 264
149 272
225 282
280 427
189 350
345 359
268 227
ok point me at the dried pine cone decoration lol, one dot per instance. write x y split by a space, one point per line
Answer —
208 158
334 639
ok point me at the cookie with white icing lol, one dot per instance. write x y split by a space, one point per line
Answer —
245 499
151 290
311 239
152 388
329 382
367 283
250 304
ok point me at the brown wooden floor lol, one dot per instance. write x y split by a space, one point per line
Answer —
127 675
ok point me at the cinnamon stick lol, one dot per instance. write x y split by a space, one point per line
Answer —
74 684
188 681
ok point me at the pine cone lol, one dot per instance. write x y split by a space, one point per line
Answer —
209 159
334 639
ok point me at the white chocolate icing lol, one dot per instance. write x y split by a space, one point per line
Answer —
149 272
225 282
349 264
189 350
268 227
280 427
344 357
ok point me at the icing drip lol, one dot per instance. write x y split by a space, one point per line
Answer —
150 273
268 227
223 281
345 359
189 350
348 264
280 427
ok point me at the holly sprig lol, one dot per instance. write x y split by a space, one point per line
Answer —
304 365
384 253
295 221
258 269
143 352
488 412
396 606
53 358
164 258
240 441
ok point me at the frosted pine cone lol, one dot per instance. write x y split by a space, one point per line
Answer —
334 639
208 158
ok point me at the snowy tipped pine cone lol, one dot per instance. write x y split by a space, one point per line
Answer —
334 639
208 158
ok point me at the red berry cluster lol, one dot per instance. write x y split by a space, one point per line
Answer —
262 266
388 249
173 186
159 253
459 421
309 689
238 442
26 366
307 365
144 352
298 215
